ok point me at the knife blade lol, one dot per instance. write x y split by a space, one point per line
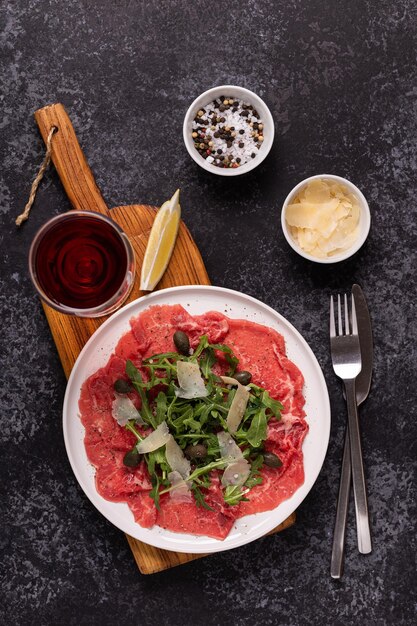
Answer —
363 381
363 385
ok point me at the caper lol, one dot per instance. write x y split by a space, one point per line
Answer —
272 460
182 343
131 458
122 386
243 377
197 451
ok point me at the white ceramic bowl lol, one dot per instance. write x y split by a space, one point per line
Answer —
242 94
364 220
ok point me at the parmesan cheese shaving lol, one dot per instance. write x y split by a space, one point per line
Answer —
155 440
176 459
124 410
238 470
180 489
324 217
190 381
228 447
236 473
239 404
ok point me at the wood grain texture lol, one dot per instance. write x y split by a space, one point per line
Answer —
70 333
186 267
69 160
152 560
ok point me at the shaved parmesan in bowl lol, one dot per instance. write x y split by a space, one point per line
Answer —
326 218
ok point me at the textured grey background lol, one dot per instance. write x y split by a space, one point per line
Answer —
340 79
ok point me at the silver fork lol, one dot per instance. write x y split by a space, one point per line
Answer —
347 363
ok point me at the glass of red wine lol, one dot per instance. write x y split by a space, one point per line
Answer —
82 263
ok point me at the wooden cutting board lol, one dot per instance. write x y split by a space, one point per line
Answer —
71 333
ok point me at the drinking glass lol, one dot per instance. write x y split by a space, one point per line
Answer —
82 263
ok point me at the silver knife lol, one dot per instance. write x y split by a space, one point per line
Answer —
363 385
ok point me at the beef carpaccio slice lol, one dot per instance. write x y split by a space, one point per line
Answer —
260 350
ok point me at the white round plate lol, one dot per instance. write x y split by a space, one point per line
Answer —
197 300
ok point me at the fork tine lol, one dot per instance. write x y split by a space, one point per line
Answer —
332 325
339 316
354 320
347 330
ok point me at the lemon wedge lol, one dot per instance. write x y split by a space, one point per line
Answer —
161 243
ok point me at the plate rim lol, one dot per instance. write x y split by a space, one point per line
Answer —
158 541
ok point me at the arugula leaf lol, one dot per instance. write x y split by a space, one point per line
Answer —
130 426
161 407
205 469
274 405
257 432
232 360
154 493
233 494
255 480
178 422
151 461
137 382
207 361
213 446
160 357
197 420
193 425
133 373
255 477
171 407
199 498
203 481
194 436
157 457
202 344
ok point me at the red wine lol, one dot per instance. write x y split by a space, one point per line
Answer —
81 261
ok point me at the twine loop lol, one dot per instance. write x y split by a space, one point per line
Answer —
47 159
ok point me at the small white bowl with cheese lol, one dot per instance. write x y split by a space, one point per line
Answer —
325 218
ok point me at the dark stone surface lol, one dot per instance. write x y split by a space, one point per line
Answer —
340 79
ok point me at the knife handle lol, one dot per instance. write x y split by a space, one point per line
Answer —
339 535
358 476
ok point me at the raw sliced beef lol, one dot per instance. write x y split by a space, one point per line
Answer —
187 517
143 508
114 480
276 486
155 327
260 350
214 325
